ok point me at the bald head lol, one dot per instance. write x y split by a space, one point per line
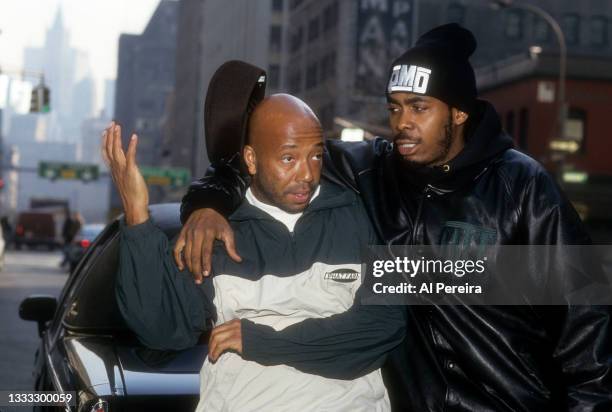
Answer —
279 116
284 152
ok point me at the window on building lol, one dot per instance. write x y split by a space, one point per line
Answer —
323 70
274 76
276 39
455 13
295 82
571 28
296 39
523 129
328 66
327 114
312 73
147 105
277 5
514 24
313 29
330 16
541 30
295 4
575 129
599 31
510 123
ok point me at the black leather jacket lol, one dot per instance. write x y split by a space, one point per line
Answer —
470 358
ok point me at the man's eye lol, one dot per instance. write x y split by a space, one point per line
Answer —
287 159
419 108
392 109
318 156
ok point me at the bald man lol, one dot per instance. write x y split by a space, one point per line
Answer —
300 244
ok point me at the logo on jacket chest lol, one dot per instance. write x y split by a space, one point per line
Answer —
465 234
342 275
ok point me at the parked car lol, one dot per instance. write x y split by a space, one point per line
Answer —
87 348
86 236
37 228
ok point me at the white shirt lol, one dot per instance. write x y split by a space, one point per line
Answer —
286 218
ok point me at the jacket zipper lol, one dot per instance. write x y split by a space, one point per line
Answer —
417 218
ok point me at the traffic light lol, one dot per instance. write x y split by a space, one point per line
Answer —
41 99
35 101
46 100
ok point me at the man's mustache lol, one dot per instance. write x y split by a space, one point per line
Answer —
310 187
405 136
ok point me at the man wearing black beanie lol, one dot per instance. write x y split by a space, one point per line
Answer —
451 173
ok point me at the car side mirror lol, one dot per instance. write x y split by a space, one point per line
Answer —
39 308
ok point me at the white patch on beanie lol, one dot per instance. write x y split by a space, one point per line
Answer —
411 78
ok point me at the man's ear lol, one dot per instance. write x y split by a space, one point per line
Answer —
459 117
250 159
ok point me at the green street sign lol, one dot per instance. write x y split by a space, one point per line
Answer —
68 171
165 176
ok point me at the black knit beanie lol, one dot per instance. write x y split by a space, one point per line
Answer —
438 66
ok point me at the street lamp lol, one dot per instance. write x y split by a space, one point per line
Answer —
562 111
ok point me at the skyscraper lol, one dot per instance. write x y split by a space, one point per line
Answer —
145 78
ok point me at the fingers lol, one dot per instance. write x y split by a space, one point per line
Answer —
103 148
227 336
109 141
117 150
206 253
187 249
178 249
196 241
196 251
131 151
230 246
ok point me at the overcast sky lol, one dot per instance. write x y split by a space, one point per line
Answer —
94 27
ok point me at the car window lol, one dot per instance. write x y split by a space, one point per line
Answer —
91 301
93 306
68 291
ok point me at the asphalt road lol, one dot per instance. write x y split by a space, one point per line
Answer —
25 273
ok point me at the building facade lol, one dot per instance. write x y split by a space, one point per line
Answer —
145 78
244 30
524 91
339 51
180 128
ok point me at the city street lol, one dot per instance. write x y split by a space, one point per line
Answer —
24 273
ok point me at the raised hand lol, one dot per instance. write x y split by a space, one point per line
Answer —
124 170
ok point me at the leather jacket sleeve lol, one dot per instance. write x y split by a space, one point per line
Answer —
583 348
222 188
224 185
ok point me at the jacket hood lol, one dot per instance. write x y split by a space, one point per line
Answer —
234 90
485 140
